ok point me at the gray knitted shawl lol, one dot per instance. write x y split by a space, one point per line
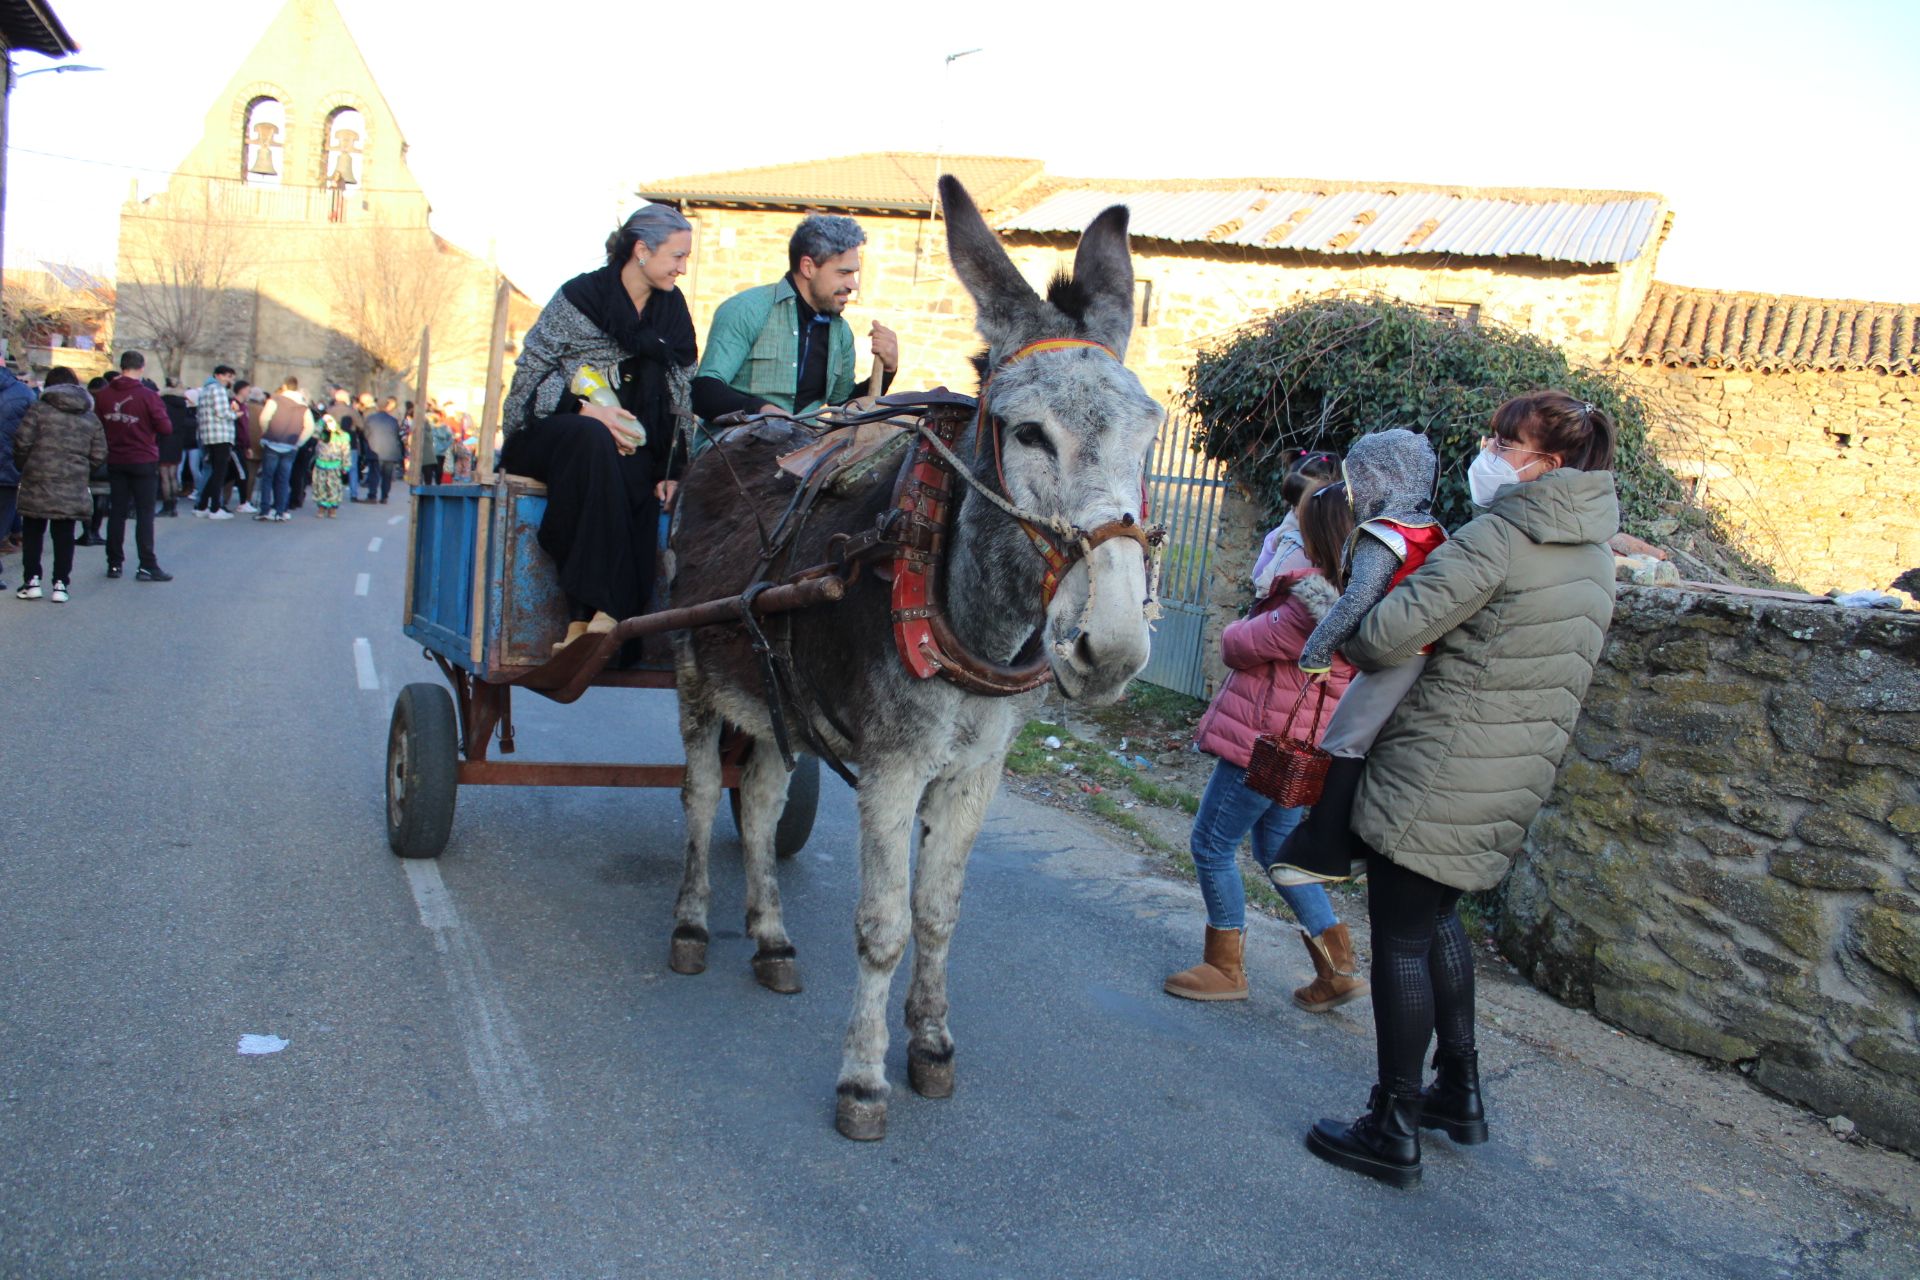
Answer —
559 342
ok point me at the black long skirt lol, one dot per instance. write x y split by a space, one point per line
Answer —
602 519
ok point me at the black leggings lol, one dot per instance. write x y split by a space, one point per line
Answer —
1422 972
219 457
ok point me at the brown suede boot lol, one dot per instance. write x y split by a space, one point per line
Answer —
1336 977
1221 975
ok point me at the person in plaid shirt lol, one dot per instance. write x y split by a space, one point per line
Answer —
216 441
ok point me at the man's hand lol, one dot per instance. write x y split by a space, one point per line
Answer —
664 490
886 346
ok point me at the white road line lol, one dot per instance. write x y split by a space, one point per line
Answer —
374 545
503 1072
361 583
363 664
395 519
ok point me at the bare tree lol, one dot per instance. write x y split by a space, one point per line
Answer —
390 283
175 274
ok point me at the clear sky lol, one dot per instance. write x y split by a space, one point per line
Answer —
1781 134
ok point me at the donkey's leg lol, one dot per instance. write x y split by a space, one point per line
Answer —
888 798
699 797
763 794
950 818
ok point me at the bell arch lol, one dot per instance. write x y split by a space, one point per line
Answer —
263 142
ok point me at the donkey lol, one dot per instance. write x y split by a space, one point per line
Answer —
1074 428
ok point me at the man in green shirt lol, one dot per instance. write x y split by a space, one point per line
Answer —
786 347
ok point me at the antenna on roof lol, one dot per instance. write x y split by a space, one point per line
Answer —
940 147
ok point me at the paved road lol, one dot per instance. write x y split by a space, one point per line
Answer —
490 1071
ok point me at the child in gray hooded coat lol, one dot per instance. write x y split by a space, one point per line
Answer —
1391 477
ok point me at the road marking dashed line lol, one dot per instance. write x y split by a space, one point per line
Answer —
363 664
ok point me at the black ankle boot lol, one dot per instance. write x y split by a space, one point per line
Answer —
1383 1144
1453 1103
1322 846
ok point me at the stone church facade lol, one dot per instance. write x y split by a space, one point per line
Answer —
1834 428
294 240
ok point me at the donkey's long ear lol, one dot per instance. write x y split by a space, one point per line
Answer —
1009 308
1103 275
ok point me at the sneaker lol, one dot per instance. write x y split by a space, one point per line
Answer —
30 590
113 571
59 595
201 513
155 574
247 509
220 515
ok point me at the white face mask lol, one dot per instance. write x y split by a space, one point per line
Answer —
1488 475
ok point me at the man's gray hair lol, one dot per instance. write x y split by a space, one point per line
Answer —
821 236
651 225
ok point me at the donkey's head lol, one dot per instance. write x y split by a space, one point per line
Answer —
1075 429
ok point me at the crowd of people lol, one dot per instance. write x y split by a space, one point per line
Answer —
77 463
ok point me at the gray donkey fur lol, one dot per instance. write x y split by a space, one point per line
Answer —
1077 428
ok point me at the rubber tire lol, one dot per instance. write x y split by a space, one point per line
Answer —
796 820
424 726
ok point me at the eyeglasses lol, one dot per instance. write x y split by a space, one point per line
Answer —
1496 445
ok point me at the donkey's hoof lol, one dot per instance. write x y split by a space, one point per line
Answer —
777 971
688 953
861 1121
931 1075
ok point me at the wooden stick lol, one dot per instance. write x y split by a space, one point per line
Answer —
496 361
421 434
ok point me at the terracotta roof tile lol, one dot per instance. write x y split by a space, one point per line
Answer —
876 179
1772 333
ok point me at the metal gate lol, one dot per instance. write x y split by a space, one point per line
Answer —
1185 489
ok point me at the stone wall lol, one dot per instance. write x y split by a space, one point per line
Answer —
1727 863
1818 473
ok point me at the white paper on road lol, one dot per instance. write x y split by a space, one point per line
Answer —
374 545
363 664
361 583
395 519
262 1044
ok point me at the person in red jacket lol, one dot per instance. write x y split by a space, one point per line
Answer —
1266 692
135 420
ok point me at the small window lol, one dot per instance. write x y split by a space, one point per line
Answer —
1464 314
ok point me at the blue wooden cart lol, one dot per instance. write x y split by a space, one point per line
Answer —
484 602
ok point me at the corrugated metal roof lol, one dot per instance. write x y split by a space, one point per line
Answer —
875 178
1388 223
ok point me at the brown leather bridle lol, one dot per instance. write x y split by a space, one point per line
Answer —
922 515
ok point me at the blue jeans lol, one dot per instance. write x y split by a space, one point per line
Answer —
1230 810
276 479
353 474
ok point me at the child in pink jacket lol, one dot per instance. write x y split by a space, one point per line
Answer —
1262 694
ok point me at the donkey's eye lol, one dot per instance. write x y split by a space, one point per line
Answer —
1034 436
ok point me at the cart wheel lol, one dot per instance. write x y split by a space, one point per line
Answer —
422 766
796 820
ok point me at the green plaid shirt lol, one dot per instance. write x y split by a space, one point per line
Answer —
754 347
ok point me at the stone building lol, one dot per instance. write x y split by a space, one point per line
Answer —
1577 268
1570 266
1797 416
293 239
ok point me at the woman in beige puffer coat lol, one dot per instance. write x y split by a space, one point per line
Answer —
1517 606
59 443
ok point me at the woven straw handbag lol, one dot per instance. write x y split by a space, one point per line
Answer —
1289 770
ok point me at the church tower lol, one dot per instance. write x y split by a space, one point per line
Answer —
294 240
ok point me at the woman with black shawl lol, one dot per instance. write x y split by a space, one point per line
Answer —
629 323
